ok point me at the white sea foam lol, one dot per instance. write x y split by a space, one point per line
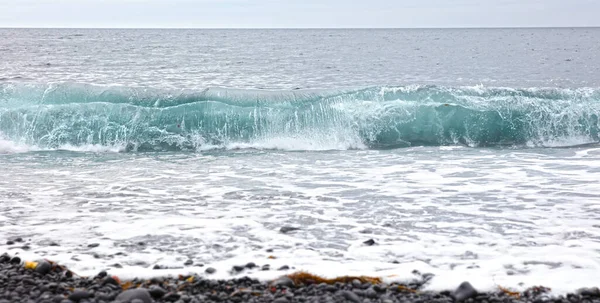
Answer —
514 218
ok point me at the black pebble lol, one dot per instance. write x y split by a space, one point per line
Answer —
157 292
266 267
117 265
156 267
238 268
53 244
18 239
43 267
25 247
283 281
171 297
101 274
369 242
15 260
210 270
129 295
287 229
141 243
110 280
270 250
9 242
285 267
93 245
251 265
350 296
188 262
78 295
464 292
4 258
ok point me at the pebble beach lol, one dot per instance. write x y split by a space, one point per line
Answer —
46 281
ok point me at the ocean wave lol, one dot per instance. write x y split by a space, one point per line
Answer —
82 117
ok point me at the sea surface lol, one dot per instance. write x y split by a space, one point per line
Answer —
471 154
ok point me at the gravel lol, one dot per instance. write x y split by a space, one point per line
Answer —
45 281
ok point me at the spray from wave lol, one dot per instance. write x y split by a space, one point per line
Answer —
100 118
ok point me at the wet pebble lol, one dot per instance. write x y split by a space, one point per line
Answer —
210 270
188 263
141 294
43 267
156 291
351 296
93 245
369 242
78 295
464 291
288 229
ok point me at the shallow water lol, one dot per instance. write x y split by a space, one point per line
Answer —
471 154
505 216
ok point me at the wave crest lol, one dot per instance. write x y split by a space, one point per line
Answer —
144 119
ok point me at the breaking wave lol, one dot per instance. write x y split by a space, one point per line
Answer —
88 117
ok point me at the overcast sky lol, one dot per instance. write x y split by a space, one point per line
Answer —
298 13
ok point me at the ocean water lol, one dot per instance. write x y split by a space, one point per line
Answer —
471 154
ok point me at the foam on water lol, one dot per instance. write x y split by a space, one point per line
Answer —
514 218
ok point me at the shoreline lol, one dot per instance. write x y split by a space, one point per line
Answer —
47 281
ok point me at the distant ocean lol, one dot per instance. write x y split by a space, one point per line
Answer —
466 153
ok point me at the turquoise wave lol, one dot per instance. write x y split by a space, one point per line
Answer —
146 119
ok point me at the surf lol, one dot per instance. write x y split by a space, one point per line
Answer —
59 115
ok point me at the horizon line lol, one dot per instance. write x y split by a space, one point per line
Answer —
304 28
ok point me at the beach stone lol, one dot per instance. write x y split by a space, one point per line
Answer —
350 296
371 293
93 245
210 270
251 265
283 281
464 291
110 280
171 297
266 267
19 239
237 268
15 260
285 267
188 263
53 244
369 242
590 292
288 229
131 294
43 267
25 247
78 295
101 274
157 292
9 242
4 258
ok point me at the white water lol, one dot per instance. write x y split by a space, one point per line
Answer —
514 218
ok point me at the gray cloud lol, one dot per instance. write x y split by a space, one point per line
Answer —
297 13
